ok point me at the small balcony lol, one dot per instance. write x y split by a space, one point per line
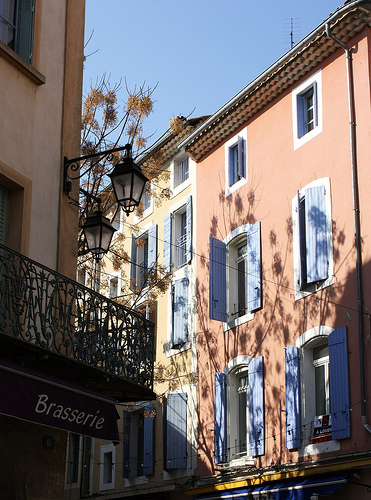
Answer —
62 328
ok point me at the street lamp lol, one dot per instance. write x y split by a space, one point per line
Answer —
128 183
98 232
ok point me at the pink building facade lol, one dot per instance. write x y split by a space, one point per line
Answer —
283 248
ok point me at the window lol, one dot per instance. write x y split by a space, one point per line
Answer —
82 275
138 442
73 462
235 275
181 171
317 388
239 411
114 285
307 110
4 208
178 236
107 467
16 26
312 238
143 256
175 431
235 162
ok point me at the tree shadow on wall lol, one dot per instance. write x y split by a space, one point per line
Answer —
276 325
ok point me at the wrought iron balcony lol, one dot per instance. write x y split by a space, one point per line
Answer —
63 318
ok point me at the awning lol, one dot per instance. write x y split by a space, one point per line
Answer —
30 396
300 489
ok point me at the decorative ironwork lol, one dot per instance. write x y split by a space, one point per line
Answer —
74 164
48 310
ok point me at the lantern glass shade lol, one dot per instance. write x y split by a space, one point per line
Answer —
128 183
98 232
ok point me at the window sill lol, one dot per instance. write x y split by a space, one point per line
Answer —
319 448
136 481
300 294
238 321
171 351
19 63
179 188
230 189
241 462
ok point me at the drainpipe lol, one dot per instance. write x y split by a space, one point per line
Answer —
356 217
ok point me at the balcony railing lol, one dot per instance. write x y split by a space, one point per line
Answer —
48 310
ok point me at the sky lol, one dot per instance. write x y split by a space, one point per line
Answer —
197 53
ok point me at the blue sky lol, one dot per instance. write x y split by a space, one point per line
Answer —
199 53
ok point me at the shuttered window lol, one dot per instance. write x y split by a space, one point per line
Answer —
180 313
237 161
256 407
338 391
220 418
178 237
137 442
245 414
242 275
4 208
293 402
218 279
312 238
143 256
339 383
17 25
313 235
175 431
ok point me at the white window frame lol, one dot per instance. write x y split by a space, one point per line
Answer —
178 188
81 275
306 342
325 182
114 276
106 449
315 83
231 241
234 368
230 143
148 211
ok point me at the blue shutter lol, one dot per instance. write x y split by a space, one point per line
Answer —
26 9
316 234
254 300
180 312
152 245
300 115
339 383
4 208
189 230
315 103
133 263
231 166
256 407
148 440
167 242
293 408
302 245
241 156
218 279
220 418
126 445
176 431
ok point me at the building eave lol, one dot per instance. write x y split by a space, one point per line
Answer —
345 22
